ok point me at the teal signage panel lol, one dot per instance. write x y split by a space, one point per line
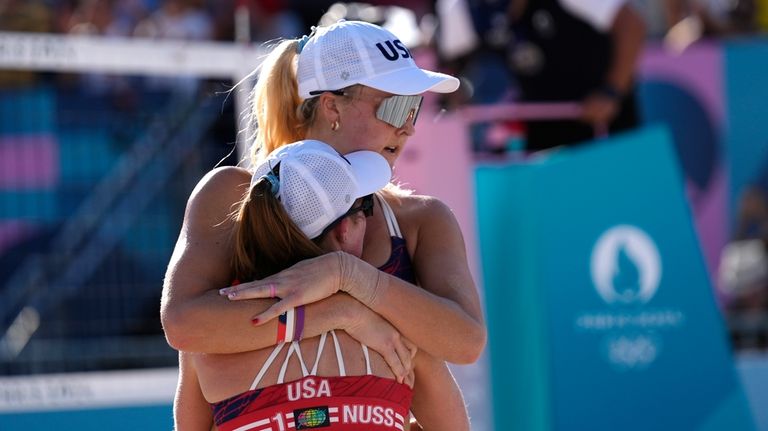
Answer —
600 240
746 137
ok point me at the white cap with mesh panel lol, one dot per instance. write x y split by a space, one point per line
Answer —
317 185
356 52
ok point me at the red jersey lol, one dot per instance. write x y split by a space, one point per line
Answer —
343 403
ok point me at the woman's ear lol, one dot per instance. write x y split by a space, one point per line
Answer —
328 107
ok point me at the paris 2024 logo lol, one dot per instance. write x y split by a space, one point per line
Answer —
626 272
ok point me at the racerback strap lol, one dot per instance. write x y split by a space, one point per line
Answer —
266 365
294 348
389 216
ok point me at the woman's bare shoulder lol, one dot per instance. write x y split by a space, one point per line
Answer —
418 207
223 179
415 213
218 193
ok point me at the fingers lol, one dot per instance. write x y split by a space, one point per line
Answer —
410 379
393 359
413 348
401 358
404 353
272 312
252 290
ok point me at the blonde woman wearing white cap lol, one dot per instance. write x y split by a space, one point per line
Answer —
305 200
343 85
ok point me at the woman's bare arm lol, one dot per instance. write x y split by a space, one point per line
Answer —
193 317
437 401
191 412
197 319
443 317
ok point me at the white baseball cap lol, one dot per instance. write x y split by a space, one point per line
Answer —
317 185
357 52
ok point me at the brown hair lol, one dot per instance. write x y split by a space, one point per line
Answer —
266 239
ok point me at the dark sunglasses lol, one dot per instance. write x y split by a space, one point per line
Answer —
394 110
366 206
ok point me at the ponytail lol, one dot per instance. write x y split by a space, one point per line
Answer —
275 101
266 239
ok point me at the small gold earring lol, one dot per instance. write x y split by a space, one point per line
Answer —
335 125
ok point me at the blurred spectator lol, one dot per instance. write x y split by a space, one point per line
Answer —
177 20
272 19
96 17
691 20
99 18
22 16
310 12
255 20
399 20
566 50
717 17
743 273
130 12
761 15
477 57
654 13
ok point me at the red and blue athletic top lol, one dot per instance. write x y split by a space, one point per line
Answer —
343 403
338 403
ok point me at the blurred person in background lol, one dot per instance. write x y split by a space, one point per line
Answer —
355 86
255 20
23 16
714 18
691 20
99 18
109 18
743 272
176 20
564 51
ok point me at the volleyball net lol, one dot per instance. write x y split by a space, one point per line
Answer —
101 142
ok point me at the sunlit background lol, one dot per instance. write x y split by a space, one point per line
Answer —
625 280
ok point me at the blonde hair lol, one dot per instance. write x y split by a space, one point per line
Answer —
275 102
277 113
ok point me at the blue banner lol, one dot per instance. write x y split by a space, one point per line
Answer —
598 241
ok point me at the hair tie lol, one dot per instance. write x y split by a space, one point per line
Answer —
273 181
303 41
